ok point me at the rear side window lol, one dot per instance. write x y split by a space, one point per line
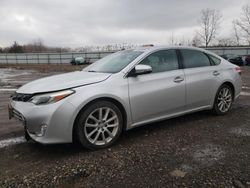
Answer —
194 58
215 60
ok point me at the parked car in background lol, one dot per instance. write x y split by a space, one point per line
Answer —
124 90
239 60
228 56
80 60
247 60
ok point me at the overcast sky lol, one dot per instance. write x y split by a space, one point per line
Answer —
75 23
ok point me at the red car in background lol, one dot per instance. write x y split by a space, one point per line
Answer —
247 60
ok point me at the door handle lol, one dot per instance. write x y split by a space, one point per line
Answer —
178 79
216 73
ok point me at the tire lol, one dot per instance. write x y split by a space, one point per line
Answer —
26 135
94 132
223 101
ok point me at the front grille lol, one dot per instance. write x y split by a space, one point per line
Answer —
21 97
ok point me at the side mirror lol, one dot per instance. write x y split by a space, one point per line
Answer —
140 69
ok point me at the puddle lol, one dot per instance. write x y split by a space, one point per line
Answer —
12 141
178 173
183 170
186 168
208 154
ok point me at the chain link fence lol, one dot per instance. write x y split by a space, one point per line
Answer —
48 58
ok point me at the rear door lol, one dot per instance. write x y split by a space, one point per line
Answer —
202 78
159 93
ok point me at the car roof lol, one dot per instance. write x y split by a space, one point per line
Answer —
153 48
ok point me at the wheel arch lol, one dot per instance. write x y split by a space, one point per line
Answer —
230 84
109 99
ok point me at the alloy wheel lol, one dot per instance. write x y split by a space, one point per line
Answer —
224 99
101 126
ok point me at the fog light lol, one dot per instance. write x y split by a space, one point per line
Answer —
42 131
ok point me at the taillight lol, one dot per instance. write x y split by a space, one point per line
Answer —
238 69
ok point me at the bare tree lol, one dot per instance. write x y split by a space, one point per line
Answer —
244 22
226 41
172 39
236 33
210 22
196 41
184 41
36 46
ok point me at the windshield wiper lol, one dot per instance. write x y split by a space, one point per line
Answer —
91 71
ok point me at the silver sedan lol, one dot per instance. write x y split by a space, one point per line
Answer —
122 91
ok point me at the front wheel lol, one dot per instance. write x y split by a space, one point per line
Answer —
99 125
223 100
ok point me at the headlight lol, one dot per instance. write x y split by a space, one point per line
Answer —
49 98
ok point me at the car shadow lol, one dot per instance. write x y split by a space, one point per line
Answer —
168 124
57 150
130 137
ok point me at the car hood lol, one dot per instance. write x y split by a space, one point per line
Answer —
63 81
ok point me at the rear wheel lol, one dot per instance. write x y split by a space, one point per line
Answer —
223 100
99 125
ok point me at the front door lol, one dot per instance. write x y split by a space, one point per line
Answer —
159 93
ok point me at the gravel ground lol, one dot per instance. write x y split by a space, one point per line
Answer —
196 150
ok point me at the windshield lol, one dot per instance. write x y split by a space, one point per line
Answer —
115 62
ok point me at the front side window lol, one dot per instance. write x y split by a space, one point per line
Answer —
164 60
194 58
115 62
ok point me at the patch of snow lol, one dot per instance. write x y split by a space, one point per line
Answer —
244 93
6 74
208 154
12 141
241 131
8 89
245 87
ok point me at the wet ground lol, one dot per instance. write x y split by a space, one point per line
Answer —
196 150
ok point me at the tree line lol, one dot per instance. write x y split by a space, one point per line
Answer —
37 46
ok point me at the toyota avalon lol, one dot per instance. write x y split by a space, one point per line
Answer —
124 90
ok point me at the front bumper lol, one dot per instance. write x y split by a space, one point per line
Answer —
15 114
46 124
